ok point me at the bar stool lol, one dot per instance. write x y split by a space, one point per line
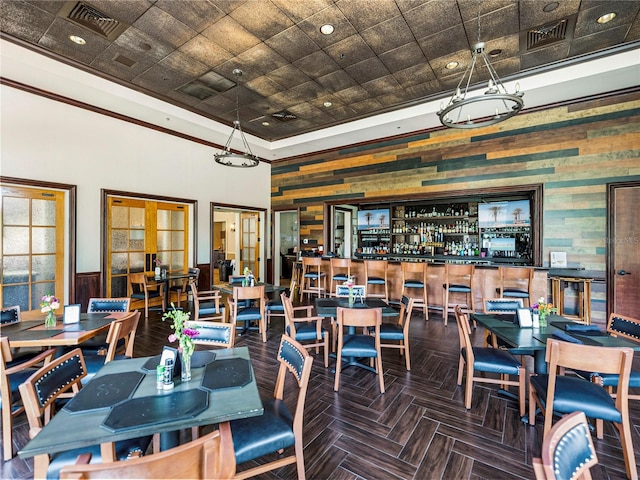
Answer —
583 288
340 272
314 280
375 271
458 279
414 277
516 282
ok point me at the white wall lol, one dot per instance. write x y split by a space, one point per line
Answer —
47 140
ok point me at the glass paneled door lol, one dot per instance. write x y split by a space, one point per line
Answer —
33 225
250 243
143 234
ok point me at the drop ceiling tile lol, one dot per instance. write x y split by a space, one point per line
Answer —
366 13
206 51
292 44
388 35
262 18
403 57
159 24
336 81
25 21
199 14
317 64
231 36
261 58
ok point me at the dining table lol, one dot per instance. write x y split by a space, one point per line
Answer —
166 279
269 288
123 401
535 338
33 333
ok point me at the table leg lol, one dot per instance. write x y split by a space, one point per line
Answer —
108 452
169 440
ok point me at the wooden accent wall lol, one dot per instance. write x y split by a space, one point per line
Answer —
574 150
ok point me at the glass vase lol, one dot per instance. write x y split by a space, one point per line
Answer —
543 319
185 373
351 297
50 320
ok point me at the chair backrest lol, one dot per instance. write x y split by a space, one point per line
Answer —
216 334
359 291
311 261
293 357
236 279
339 265
516 277
10 315
502 306
249 293
414 271
376 268
464 333
52 381
122 329
459 273
209 296
194 273
562 355
624 327
406 308
359 317
567 450
208 457
137 283
108 305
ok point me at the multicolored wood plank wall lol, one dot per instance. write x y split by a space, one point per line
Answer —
574 150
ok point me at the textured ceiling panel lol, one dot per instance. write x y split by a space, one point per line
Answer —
383 54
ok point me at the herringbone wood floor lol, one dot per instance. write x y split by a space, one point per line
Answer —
419 429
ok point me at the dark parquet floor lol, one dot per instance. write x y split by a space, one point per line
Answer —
419 429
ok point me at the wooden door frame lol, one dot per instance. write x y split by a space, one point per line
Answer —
275 255
104 216
611 245
262 234
70 228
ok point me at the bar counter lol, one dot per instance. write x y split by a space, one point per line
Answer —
486 279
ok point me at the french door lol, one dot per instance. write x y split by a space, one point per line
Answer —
143 234
33 243
250 242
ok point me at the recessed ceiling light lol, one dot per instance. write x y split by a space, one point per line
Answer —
77 39
451 65
550 7
327 29
607 17
265 124
327 104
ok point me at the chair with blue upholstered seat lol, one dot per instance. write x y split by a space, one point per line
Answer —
516 282
139 289
62 378
247 306
396 335
314 280
352 344
121 337
567 451
277 428
414 284
12 373
207 304
375 273
486 360
339 273
458 281
507 307
306 329
558 393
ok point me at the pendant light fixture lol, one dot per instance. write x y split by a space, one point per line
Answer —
227 157
466 110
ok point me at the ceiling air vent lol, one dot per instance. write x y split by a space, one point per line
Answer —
284 116
93 19
126 61
537 37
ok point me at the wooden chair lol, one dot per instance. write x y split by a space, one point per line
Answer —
516 282
396 335
62 378
567 451
486 360
248 305
121 337
458 280
216 334
139 289
208 457
12 374
414 279
558 393
258 436
340 272
207 305
307 330
375 272
363 345
314 280
501 306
